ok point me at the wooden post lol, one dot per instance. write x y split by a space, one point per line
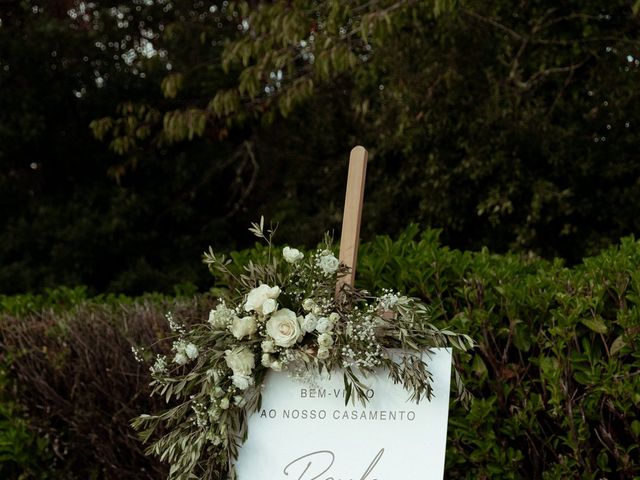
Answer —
352 216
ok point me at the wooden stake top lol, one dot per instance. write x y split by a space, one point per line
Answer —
352 216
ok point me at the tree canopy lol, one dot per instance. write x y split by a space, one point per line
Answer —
510 126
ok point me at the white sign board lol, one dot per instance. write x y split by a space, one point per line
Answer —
305 432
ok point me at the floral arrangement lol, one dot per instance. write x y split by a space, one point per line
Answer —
285 316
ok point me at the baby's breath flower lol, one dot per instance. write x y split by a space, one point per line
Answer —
173 325
222 316
160 365
137 354
388 300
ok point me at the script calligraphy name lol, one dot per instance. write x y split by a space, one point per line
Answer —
314 465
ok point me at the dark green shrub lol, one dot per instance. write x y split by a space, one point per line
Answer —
555 373
61 298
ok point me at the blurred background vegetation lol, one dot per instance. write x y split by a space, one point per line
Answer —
135 134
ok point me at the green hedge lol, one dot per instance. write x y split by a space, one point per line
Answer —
555 374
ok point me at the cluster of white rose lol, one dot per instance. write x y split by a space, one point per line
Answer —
317 320
185 352
241 362
327 262
279 329
285 316
261 319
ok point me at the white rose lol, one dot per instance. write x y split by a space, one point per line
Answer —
242 327
269 362
325 340
284 328
309 323
324 324
224 403
242 381
292 255
308 304
191 350
266 360
328 263
334 317
323 353
240 360
258 296
269 306
268 346
180 358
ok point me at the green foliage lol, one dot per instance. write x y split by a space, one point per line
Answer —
512 130
61 298
23 453
71 211
555 373
289 50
